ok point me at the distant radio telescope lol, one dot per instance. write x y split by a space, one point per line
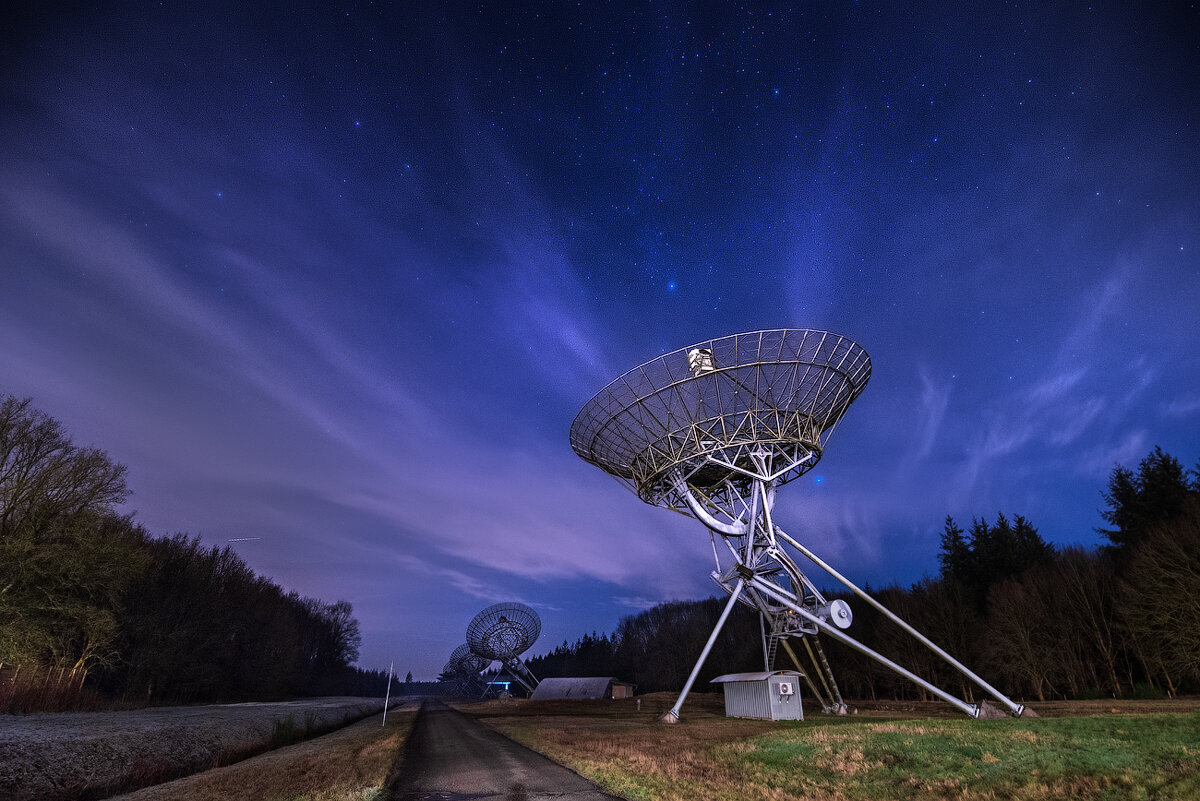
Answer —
462 668
713 431
503 632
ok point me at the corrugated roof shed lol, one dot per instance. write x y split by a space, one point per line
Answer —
752 676
574 688
774 695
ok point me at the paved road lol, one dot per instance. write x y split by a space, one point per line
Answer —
451 756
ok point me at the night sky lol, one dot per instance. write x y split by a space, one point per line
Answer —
340 277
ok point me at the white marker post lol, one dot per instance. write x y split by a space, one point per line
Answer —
388 696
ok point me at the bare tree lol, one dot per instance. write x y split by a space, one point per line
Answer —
1161 594
65 557
949 619
44 478
1021 644
1088 613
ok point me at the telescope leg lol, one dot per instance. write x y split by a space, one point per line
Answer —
672 714
1014 708
839 706
767 643
828 707
522 674
774 592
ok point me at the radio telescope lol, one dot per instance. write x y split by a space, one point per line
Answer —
463 669
503 632
712 431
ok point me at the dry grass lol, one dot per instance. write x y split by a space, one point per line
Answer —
627 752
350 764
80 756
1046 709
1148 751
31 689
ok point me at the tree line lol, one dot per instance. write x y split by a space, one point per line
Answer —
146 619
1119 620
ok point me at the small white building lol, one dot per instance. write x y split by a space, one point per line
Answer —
766 696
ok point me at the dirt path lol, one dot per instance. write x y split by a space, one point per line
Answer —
451 756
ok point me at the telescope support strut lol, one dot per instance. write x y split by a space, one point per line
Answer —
764 577
1015 708
672 714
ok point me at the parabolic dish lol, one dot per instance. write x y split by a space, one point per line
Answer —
781 390
464 661
503 631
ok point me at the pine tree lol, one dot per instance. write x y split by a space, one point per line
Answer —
1137 502
1031 549
955 553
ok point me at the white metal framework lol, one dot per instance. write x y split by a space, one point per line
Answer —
503 632
712 431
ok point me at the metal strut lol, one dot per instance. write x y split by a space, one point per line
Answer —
826 674
768 580
521 672
712 431
672 714
834 632
825 705
1015 708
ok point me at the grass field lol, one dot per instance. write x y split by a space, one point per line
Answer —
1089 750
350 764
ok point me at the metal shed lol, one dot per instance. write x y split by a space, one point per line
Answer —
587 687
766 696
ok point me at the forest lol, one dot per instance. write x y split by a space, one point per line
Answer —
1120 620
91 603
90 599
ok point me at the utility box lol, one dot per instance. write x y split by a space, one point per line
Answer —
765 696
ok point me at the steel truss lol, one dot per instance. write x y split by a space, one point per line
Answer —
520 672
757 571
712 432
503 632
462 671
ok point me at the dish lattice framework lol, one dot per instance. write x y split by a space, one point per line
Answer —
712 431
696 414
503 631
464 662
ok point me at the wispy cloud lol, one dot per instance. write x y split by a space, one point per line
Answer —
433 576
1181 407
534 298
838 528
374 437
1099 461
366 342
638 602
1075 419
935 399
1056 386
1057 406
